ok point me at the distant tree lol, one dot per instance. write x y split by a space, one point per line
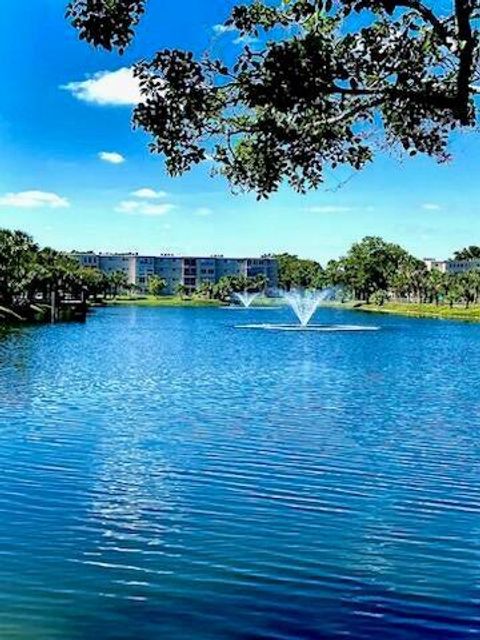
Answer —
333 83
257 283
29 274
227 285
297 272
469 253
436 284
380 297
181 290
115 282
224 288
468 285
369 266
474 276
156 285
453 293
18 257
206 290
91 282
409 280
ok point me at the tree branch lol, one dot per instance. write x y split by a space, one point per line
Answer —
428 15
463 12
438 99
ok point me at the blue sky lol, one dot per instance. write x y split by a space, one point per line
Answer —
61 178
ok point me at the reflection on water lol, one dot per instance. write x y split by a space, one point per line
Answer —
167 476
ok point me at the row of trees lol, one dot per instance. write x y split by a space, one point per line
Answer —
221 290
375 270
372 270
32 276
434 287
228 285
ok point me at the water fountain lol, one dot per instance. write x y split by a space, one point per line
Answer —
304 303
246 297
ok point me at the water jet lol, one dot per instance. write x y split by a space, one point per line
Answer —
304 303
246 297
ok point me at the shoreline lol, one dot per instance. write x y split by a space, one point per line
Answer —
175 301
162 301
10 317
415 310
37 313
411 309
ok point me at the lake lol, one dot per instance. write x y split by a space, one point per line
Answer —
166 475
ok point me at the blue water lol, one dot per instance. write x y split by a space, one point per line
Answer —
165 475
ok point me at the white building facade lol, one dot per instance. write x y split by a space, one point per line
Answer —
452 266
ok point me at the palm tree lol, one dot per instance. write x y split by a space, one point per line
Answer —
206 290
118 282
181 290
156 285
467 286
436 285
474 278
469 253
453 292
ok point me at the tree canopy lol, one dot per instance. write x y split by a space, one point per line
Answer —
468 253
31 275
228 285
156 285
298 272
374 270
371 265
327 83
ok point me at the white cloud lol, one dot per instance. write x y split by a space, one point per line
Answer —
33 200
127 206
149 194
108 88
221 28
112 157
431 206
203 211
144 208
328 209
245 40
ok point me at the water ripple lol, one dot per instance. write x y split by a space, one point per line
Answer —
164 475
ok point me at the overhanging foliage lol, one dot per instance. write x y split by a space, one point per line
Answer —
324 79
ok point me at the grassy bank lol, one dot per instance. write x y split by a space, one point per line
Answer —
425 311
163 301
404 309
176 301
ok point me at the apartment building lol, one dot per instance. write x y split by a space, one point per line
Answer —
461 266
452 266
189 271
435 265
